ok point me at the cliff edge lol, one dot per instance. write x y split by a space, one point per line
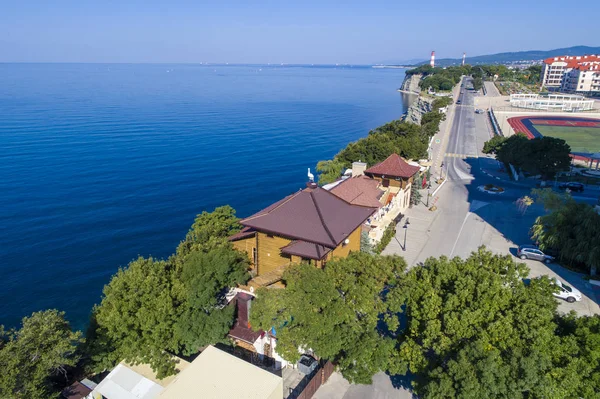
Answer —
411 84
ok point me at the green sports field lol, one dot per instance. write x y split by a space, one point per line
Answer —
581 139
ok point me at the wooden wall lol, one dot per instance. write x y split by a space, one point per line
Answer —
269 253
247 245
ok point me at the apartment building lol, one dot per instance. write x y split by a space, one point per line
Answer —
583 79
574 74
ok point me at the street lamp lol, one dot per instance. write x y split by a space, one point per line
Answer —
428 195
405 227
441 170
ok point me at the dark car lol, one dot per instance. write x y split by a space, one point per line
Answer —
458 101
533 252
572 186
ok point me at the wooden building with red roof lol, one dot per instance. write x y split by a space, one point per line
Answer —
312 225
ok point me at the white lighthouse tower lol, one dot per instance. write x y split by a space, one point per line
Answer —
432 62
464 56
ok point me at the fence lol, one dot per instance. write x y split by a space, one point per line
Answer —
494 122
320 377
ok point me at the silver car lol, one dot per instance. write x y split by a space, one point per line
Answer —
533 252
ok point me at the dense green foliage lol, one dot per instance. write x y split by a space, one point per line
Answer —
572 229
441 102
475 330
334 311
477 83
415 196
439 78
365 243
544 156
469 328
33 357
329 171
403 138
153 308
386 238
493 145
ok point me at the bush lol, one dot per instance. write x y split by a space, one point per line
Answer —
388 234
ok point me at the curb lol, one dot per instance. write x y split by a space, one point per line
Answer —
438 189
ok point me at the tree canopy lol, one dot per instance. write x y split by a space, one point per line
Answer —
153 308
335 312
37 354
474 328
572 229
493 145
545 156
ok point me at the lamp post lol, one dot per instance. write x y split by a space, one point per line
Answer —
428 195
405 230
441 170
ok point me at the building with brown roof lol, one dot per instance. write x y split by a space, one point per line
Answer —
312 225
396 176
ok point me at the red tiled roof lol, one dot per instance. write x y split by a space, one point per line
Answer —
393 166
313 214
306 249
359 190
241 329
244 233
572 60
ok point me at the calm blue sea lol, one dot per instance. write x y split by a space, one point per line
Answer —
101 163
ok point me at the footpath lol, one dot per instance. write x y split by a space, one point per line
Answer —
420 217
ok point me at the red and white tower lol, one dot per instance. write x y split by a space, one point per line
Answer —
464 56
432 62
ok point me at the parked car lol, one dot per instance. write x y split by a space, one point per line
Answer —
533 252
479 111
566 292
458 101
573 186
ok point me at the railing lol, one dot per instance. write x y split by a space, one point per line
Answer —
494 122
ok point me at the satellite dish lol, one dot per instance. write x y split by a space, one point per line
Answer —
252 289
347 241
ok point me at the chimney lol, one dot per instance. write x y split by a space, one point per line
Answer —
311 184
432 62
358 168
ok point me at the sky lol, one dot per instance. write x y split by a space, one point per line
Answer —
263 31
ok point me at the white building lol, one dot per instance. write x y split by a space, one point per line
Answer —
582 79
558 73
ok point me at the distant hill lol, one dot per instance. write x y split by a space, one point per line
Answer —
517 56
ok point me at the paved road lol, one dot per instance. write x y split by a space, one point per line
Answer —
492 90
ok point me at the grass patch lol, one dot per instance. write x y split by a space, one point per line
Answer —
581 139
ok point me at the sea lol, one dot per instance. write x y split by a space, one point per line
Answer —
102 163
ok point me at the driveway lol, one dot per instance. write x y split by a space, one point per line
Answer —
383 387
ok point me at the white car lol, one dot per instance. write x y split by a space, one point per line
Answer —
566 292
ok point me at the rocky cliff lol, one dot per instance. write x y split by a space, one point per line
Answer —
420 106
411 84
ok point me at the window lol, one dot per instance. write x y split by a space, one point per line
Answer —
254 256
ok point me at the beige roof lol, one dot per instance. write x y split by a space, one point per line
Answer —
215 374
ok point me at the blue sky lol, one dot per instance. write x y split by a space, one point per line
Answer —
308 31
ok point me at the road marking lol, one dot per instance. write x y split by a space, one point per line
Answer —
459 233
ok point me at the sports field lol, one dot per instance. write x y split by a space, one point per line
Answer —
581 139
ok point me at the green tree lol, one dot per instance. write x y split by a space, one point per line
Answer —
334 311
206 277
474 328
37 354
329 171
573 230
415 196
136 319
210 230
477 83
493 145
546 157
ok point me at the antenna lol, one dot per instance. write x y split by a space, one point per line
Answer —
311 177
